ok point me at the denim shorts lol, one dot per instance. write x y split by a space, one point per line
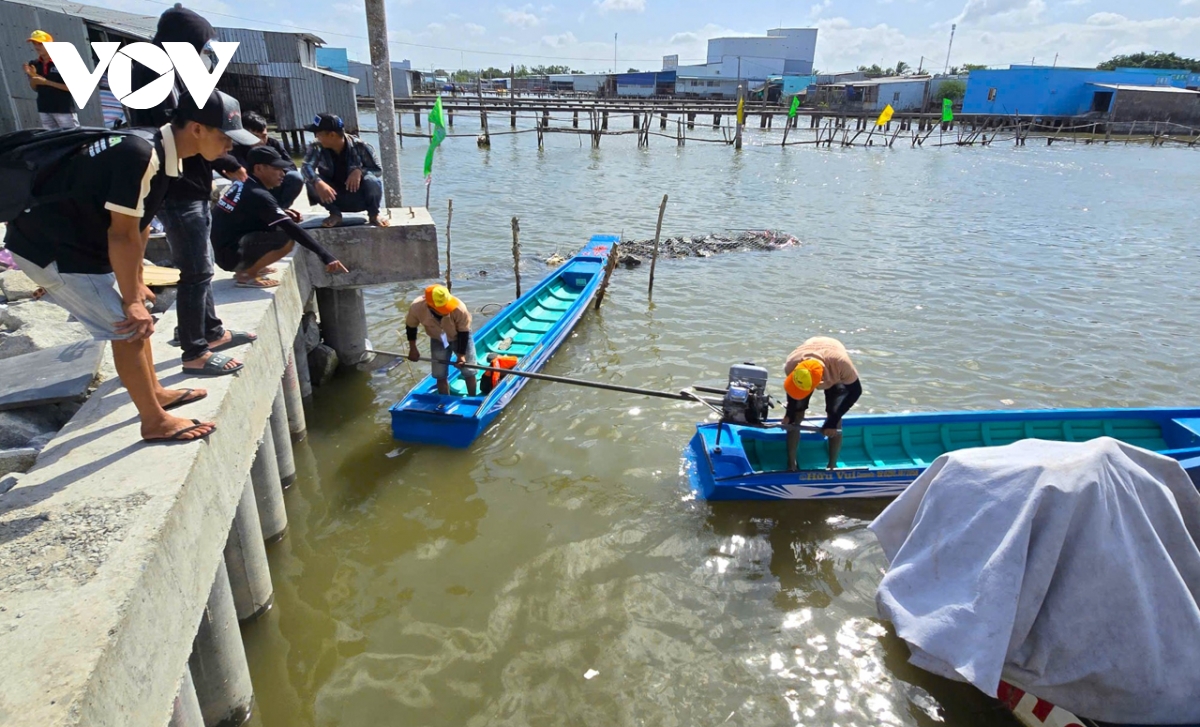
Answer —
440 368
92 299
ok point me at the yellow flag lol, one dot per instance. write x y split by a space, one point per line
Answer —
885 116
741 117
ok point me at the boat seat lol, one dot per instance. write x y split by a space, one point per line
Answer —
542 314
552 303
565 294
516 349
527 325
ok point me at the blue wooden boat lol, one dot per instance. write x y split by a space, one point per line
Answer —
531 328
883 453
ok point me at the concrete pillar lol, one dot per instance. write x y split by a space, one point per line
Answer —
268 489
575 120
691 119
716 120
218 661
637 121
303 377
604 122
344 323
282 436
291 396
187 708
385 105
246 560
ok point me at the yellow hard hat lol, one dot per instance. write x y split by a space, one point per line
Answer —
40 36
438 298
804 378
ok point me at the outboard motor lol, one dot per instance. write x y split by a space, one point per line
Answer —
746 400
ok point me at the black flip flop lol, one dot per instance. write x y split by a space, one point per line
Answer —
236 338
178 436
184 400
215 366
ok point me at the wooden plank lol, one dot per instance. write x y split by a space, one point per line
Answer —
159 277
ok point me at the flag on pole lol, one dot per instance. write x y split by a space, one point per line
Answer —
437 124
741 112
795 107
885 116
947 110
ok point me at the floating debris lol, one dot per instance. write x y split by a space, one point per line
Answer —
635 251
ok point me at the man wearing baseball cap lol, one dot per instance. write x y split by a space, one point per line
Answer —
448 323
250 229
819 363
340 170
56 108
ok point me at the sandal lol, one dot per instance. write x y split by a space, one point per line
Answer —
215 366
178 436
236 338
332 221
257 283
184 400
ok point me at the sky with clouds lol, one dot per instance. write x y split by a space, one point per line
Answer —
579 33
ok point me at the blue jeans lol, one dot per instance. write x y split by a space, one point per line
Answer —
367 199
287 192
187 223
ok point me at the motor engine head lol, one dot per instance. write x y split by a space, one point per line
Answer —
746 400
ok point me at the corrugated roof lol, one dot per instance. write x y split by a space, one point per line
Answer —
1150 89
138 26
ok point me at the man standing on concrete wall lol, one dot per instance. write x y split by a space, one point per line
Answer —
186 213
56 109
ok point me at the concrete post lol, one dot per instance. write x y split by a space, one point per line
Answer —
282 437
218 661
291 397
344 323
385 104
246 560
187 708
303 377
268 490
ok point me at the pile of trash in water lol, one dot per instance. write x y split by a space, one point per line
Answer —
634 252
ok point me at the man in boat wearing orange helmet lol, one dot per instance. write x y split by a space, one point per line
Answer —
448 323
819 363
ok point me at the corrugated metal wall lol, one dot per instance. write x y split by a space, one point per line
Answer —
18 107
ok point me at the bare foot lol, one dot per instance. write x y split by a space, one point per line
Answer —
171 397
332 220
198 363
171 427
379 221
250 281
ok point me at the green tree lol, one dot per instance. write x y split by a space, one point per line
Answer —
953 89
1151 60
632 70
968 67
902 68
874 71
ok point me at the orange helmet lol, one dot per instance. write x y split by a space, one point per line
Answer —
804 378
439 300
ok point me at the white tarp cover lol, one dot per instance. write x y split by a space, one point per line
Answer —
1069 569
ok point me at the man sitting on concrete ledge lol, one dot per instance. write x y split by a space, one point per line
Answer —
251 230
82 249
293 181
340 171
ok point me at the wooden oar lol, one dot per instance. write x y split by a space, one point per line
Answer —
681 396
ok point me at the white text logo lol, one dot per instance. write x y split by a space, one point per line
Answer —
172 58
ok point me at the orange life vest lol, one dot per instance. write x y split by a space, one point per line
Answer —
492 378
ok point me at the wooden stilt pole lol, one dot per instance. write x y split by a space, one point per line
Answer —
516 251
449 219
654 257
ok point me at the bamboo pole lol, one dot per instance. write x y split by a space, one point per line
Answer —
449 219
608 271
516 251
654 257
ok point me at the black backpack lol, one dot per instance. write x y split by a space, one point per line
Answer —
28 158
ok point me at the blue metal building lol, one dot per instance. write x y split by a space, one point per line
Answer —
1046 91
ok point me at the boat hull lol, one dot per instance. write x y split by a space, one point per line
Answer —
884 453
531 328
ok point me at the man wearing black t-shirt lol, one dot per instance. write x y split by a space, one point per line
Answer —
56 109
251 231
87 250
293 182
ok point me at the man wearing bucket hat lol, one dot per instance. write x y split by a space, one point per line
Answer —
448 323
819 363
55 108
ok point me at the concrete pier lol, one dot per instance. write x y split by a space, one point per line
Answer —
187 707
281 435
218 661
100 636
246 560
292 400
268 489
344 323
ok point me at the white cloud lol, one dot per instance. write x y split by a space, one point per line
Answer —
435 27
559 41
977 10
816 10
607 6
1083 2
522 18
1106 19
1189 2
475 29
683 38
547 9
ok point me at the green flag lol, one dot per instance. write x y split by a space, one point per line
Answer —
437 122
947 110
795 107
